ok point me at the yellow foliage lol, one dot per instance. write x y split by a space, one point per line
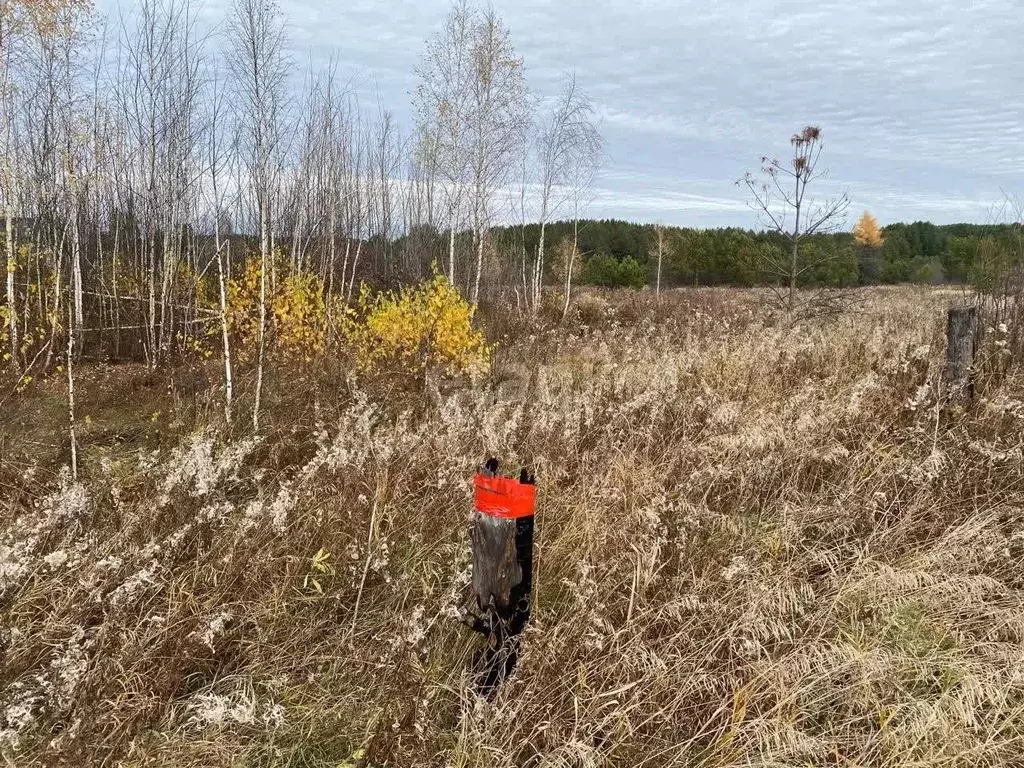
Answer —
35 319
867 232
49 18
300 314
296 312
421 326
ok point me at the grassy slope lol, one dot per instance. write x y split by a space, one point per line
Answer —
756 546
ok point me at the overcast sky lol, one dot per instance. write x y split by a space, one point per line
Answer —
921 102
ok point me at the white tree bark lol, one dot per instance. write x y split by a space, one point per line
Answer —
12 309
659 233
229 388
71 398
262 331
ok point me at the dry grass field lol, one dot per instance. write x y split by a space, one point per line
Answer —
757 545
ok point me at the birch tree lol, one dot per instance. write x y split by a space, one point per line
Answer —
216 138
569 149
10 21
658 251
581 193
386 161
442 105
69 362
419 203
256 33
158 93
495 122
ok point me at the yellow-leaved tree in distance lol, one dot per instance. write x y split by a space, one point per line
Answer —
867 232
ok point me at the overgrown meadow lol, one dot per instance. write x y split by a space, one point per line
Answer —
758 543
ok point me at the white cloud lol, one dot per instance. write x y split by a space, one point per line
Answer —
920 100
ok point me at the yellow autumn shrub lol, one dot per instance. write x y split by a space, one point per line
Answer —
421 326
300 314
417 327
243 305
34 328
296 312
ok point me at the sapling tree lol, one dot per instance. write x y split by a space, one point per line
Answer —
779 196
216 138
569 149
259 71
658 252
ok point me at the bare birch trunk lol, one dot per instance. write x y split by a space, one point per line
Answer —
451 251
164 288
328 277
355 261
344 264
264 248
479 267
56 311
113 280
352 277
228 384
526 286
71 399
12 318
571 265
76 271
151 329
538 268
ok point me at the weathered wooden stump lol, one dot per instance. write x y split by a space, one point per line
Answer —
961 336
501 537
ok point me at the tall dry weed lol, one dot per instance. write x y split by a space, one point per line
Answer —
756 545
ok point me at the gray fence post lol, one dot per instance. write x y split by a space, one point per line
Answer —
961 335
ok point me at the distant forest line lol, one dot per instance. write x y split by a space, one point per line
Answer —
622 253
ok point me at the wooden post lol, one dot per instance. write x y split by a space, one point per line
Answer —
961 334
501 537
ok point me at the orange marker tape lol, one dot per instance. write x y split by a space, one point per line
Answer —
503 497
